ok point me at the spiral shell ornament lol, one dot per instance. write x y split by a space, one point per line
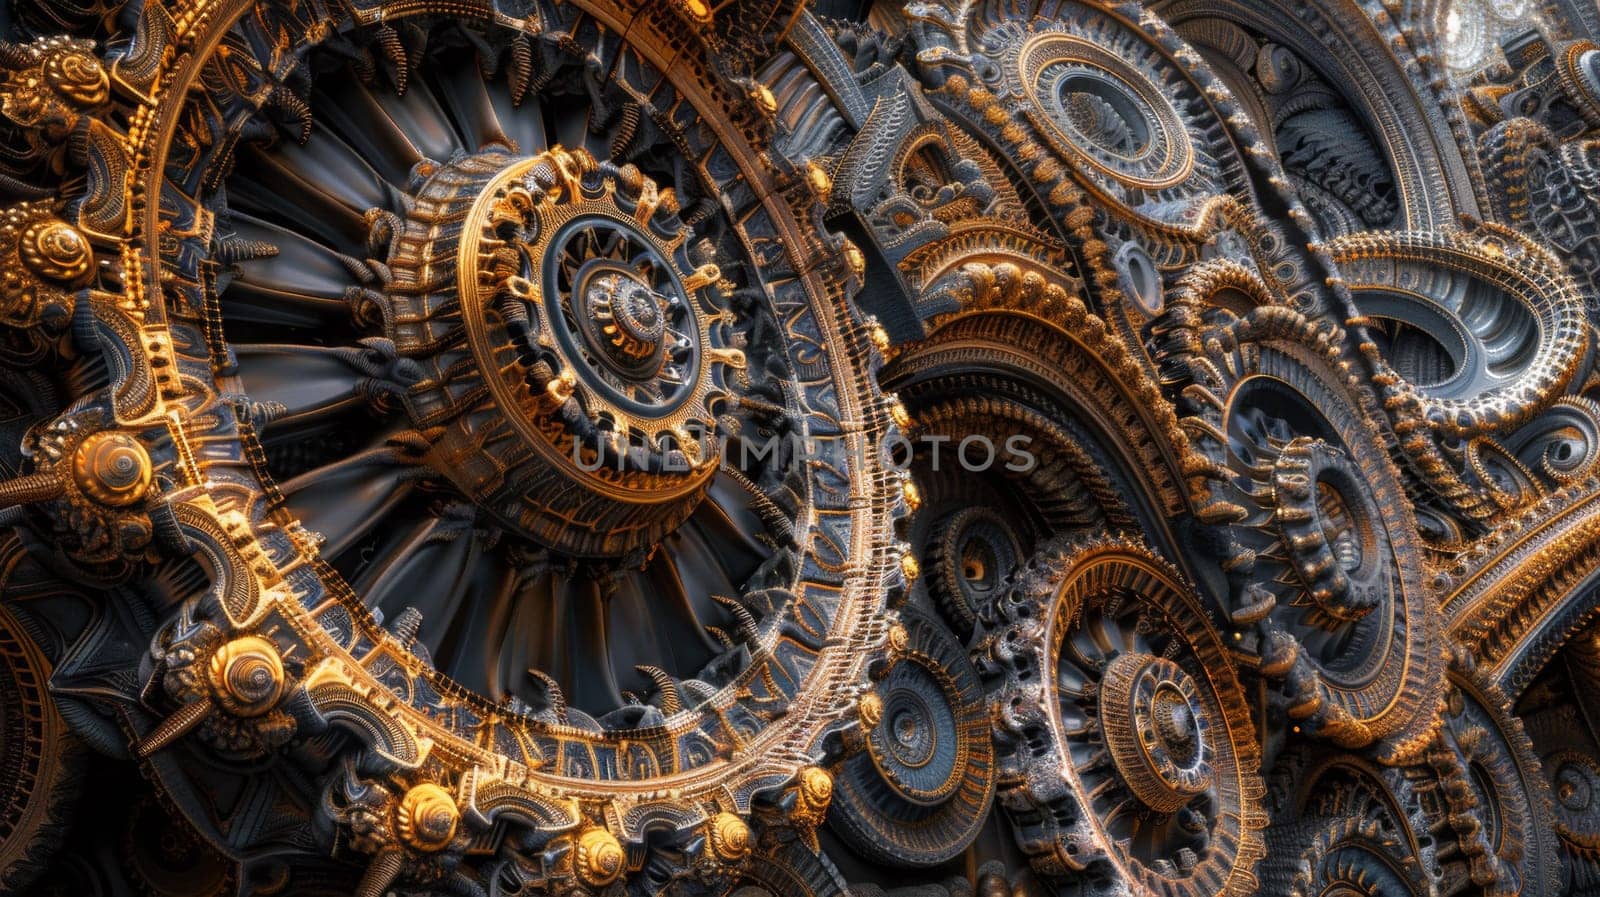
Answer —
55 250
247 676
427 818
112 469
918 792
598 857
729 836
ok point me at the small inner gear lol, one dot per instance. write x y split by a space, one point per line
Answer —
596 358
630 317
1154 728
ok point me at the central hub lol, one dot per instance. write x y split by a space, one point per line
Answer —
575 358
1154 726
625 318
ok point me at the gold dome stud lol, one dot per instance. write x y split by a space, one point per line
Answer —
912 495
820 181
909 565
427 818
870 709
899 638
815 788
855 258
764 98
600 858
898 413
878 335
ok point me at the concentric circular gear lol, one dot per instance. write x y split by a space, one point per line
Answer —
922 785
970 552
1575 781
1107 97
1318 546
1356 858
1313 784
1503 327
589 423
1127 755
1500 800
1330 529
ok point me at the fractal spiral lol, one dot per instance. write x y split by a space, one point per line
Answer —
799 448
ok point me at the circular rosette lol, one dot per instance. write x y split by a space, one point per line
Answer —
1317 547
1117 107
596 344
1357 858
1498 798
1561 446
1127 753
1484 329
920 788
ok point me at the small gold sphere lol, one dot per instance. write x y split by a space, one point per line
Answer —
764 98
247 676
909 565
879 336
599 859
899 638
729 836
427 818
560 387
112 469
870 708
899 414
913 495
821 182
699 9
855 258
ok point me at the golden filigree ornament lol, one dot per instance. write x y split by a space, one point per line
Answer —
52 81
813 792
56 251
49 260
870 709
